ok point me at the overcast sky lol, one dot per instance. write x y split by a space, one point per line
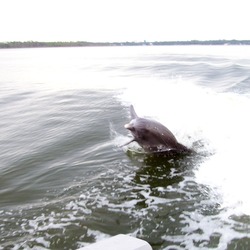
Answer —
123 20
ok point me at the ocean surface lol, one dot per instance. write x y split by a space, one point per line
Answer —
65 182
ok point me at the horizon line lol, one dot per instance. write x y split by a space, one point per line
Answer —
39 44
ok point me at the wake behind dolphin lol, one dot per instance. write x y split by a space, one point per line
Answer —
152 136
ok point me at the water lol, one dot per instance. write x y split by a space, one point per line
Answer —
65 182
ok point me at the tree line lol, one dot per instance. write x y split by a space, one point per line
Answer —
35 44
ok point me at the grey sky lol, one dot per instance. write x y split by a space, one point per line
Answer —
123 20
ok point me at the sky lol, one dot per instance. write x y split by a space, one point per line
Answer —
123 20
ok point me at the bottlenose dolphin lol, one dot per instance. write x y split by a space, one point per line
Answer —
152 136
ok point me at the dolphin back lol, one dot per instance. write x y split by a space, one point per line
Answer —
132 112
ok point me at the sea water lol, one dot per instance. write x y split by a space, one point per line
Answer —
66 183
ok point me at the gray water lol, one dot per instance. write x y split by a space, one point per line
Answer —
66 183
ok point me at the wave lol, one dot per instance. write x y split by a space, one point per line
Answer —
195 113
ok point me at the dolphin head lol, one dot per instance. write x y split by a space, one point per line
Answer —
141 134
137 127
131 126
140 129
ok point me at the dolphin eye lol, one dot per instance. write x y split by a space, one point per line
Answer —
143 134
144 131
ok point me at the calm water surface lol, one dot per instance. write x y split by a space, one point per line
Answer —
66 183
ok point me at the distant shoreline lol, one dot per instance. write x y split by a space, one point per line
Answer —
36 44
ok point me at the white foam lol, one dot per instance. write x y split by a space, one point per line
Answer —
194 113
227 170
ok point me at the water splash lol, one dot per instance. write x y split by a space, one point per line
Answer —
218 120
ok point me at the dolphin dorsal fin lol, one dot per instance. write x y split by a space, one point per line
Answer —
132 112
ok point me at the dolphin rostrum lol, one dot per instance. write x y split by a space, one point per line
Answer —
152 136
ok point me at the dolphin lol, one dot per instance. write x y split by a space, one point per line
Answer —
152 136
